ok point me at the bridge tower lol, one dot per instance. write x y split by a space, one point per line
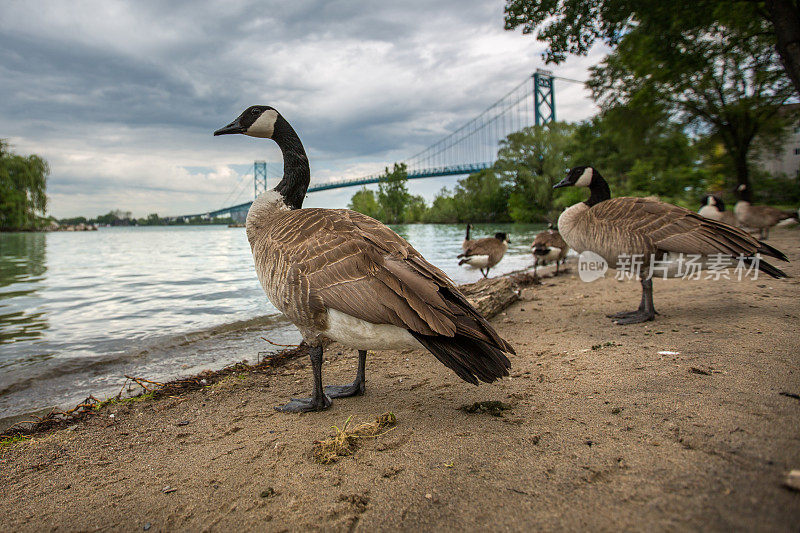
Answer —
259 177
544 99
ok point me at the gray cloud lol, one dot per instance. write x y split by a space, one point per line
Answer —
122 97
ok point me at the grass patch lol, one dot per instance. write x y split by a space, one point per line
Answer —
120 401
13 439
604 345
345 441
494 408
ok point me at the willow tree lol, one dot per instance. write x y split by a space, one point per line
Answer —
23 184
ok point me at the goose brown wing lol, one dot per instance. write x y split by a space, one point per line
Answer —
485 246
355 264
670 228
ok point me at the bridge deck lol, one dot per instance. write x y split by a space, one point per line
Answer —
453 170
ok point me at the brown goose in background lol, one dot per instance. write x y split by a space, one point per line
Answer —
714 208
758 217
615 228
485 253
467 241
547 246
342 276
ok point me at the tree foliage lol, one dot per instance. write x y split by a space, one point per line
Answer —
573 26
393 193
23 186
364 201
711 79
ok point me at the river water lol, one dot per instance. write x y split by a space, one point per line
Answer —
78 310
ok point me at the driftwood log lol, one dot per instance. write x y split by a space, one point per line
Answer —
491 296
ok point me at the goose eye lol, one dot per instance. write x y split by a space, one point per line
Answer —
254 111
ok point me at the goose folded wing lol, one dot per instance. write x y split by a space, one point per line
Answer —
671 228
485 246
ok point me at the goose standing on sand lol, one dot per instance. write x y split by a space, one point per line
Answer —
714 208
547 246
760 217
616 228
485 253
342 276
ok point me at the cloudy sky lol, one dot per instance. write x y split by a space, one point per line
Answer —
122 97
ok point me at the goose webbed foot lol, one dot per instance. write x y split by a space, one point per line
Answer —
305 405
357 387
343 391
646 311
319 400
633 317
625 314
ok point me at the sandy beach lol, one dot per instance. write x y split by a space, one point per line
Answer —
604 431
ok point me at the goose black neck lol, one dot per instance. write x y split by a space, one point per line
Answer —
296 173
467 237
599 190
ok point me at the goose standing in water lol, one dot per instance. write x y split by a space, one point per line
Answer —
342 276
467 241
615 228
485 253
547 246
714 208
758 217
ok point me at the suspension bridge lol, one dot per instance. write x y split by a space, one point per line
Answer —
469 149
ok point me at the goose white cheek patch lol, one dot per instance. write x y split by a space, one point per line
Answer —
264 126
586 178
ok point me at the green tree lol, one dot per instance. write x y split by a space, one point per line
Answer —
573 26
23 185
416 209
640 151
365 202
444 209
482 197
532 160
712 80
393 193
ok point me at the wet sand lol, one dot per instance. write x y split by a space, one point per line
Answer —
604 432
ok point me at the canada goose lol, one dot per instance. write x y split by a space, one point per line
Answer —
465 244
760 217
714 208
547 246
621 228
342 276
485 253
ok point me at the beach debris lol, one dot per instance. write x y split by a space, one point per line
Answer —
346 440
616 410
605 345
167 489
183 423
492 407
792 480
147 389
147 526
790 395
668 352
269 492
280 345
695 370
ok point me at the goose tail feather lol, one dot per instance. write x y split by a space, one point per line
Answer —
471 359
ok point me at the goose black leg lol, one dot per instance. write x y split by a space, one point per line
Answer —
319 400
354 389
646 309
